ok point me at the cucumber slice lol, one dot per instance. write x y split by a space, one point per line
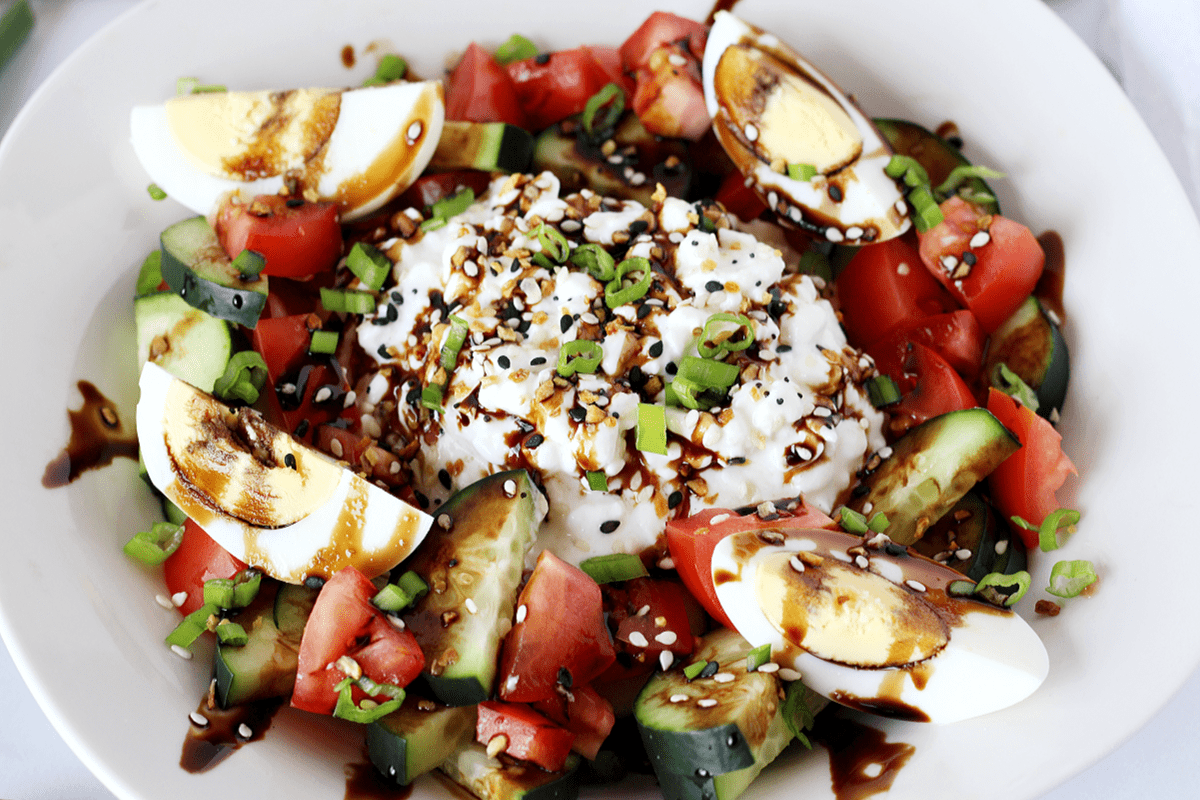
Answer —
487 146
489 779
691 741
966 537
185 341
473 566
411 741
935 154
932 467
195 266
1031 345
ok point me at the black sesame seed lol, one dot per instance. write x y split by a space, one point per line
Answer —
783 348
302 429
294 202
444 479
968 258
398 298
237 301
422 500
577 414
503 362
835 193
537 362
523 425
535 441
413 397
713 286
565 323
779 401
383 351
564 678
638 226
674 499
314 581
732 740
656 349
289 461
671 368
392 313
610 526
542 58
702 773
709 670
644 310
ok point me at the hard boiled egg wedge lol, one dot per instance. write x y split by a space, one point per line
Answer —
356 147
802 145
268 499
875 630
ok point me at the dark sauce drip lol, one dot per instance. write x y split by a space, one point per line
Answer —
205 747
97 437
882 706
364 782
853 749
719 5
1049 287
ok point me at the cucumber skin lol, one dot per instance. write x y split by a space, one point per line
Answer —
409 742
1031 345
489 779
185 250
198 345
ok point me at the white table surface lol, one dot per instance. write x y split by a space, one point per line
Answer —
1160 761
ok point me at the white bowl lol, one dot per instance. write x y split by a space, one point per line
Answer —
75 221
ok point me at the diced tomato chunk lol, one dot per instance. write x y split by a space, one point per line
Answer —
663 27
1007 260
552 87
197 559
739 199
660 619
528 734
480 90
955 336
585 713
929 385
1024 484
555 642
296 238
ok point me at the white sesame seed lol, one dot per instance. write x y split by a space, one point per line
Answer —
822 411
751 132
862 562
677 59
768 667
638 640
962 554
772 199
182 652
679 698
718 519
396 622
497 745
833 234
349 667
724 677
589 318
522 612
1002 547
980 239
666 637
244 731
794 215
706 702
902 268
335 447
796 564
917 585
854 232
666 563
643 611
164 601
471 607
901 207
665 660
786 674
949 263
323 394
445 521
765 508
885 452
510 488
349 399
570 225
198 719
471 269
179 598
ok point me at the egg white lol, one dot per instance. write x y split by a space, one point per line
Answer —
369 121
288 552
992 660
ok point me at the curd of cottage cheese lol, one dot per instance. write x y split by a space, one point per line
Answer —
796 420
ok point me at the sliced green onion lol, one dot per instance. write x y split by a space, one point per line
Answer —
432 224
370 265
905 166
554 244
190 628
995 582
369 711
432 397
244 378
579 355
185 85
1055 521
617 294
455 340
971 196
614 567
852 521
801 172
816 264
390 68
249 264
156 192
1069 578
597 481
346 301
542 261
757 657
689 394
716 326
878 523
651 429
323 342
796 713
413 584
596 260
882 391
403 593
693 670
155 545
1012 385
612 99
928 215
236 592
231 634
707 372
150 275
449 207
961 173
517 48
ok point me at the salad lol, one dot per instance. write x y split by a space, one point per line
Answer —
712 380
